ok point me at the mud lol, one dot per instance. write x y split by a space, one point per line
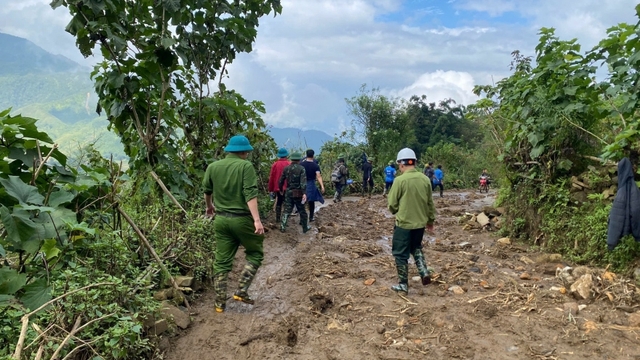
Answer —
325 295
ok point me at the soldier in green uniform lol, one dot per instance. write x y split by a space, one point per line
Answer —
411 202
231 194
296 195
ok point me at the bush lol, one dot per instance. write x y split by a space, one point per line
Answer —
462 166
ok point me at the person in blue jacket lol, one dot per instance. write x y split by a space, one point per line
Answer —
437 180
389 176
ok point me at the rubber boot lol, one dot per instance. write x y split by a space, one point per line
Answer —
283 223
421 264
278 214
403 280
220 288
246 277
384 193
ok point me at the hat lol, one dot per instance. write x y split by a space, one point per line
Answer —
341 156
370 159
283 153
238 143
391 162
296 156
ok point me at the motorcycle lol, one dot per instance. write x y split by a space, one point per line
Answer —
484 184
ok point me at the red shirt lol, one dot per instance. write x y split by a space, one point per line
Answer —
276 171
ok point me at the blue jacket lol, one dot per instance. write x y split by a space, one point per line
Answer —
390 174
438 176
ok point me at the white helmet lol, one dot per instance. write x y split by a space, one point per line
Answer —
406 154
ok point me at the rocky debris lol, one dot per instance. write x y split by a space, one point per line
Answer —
184 281
549 258
457 290
526 260
634 319
525 276
488 219
571 308
504 241
175 315
483 219
581 289
158 327
636 275
565 275
369 282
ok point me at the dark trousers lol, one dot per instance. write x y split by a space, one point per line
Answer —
312 209
405 242
339 190
387 185
434 186
279 204
365 183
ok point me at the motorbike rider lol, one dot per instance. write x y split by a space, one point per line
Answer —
485 175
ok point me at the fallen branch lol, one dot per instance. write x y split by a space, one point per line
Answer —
74 329
153 253
25 318
483 297
166 191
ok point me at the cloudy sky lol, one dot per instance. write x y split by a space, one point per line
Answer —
319 52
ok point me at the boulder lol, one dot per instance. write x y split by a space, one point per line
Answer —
177 316
159 327
483 219
581 289
184 281
504 241
571 308
490 211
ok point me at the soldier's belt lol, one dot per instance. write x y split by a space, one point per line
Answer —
232 215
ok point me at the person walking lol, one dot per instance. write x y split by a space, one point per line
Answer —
411 202
276 171
312 169
367 177
231 196
339 177
389 176
437 180
295 178
429 171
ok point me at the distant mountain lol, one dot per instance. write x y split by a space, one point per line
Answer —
297 139
59 93
20 56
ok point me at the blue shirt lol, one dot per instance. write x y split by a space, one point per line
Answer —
390 174
311 167
438 176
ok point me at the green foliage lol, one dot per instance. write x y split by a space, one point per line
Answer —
153 84
462 165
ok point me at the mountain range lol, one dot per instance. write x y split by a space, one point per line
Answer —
59 93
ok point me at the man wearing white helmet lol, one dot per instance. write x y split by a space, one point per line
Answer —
410 201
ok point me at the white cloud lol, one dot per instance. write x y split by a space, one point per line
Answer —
441 85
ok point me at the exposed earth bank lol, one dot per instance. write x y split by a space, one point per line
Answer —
325 295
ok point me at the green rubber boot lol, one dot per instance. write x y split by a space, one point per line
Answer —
246 277
220 288
403 280
283 223
421 264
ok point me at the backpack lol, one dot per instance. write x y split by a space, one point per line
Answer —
336 174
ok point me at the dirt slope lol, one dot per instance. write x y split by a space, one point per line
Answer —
490 301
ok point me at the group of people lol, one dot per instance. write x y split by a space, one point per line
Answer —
231 198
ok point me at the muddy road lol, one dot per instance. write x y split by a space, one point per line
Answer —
325 295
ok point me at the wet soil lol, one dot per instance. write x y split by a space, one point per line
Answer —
326 295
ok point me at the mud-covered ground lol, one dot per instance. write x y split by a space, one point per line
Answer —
325 295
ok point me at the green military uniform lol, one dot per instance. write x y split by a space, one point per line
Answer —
411 202
232 182
296 178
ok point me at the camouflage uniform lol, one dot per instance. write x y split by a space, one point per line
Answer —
296 178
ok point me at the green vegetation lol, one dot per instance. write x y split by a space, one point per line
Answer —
555 127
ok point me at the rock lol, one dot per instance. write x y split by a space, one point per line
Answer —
456 290
159 327
473 257
380 329
504 241
526 260
369 281
340 239
548 258
498 224
564 274
525 276
475 269
184 281
634 319
579 271
177 316
473 224
490 211
501 210
636 275
465 245
416 278
582 287
582 307
579 197
161 295
571 307
483 219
